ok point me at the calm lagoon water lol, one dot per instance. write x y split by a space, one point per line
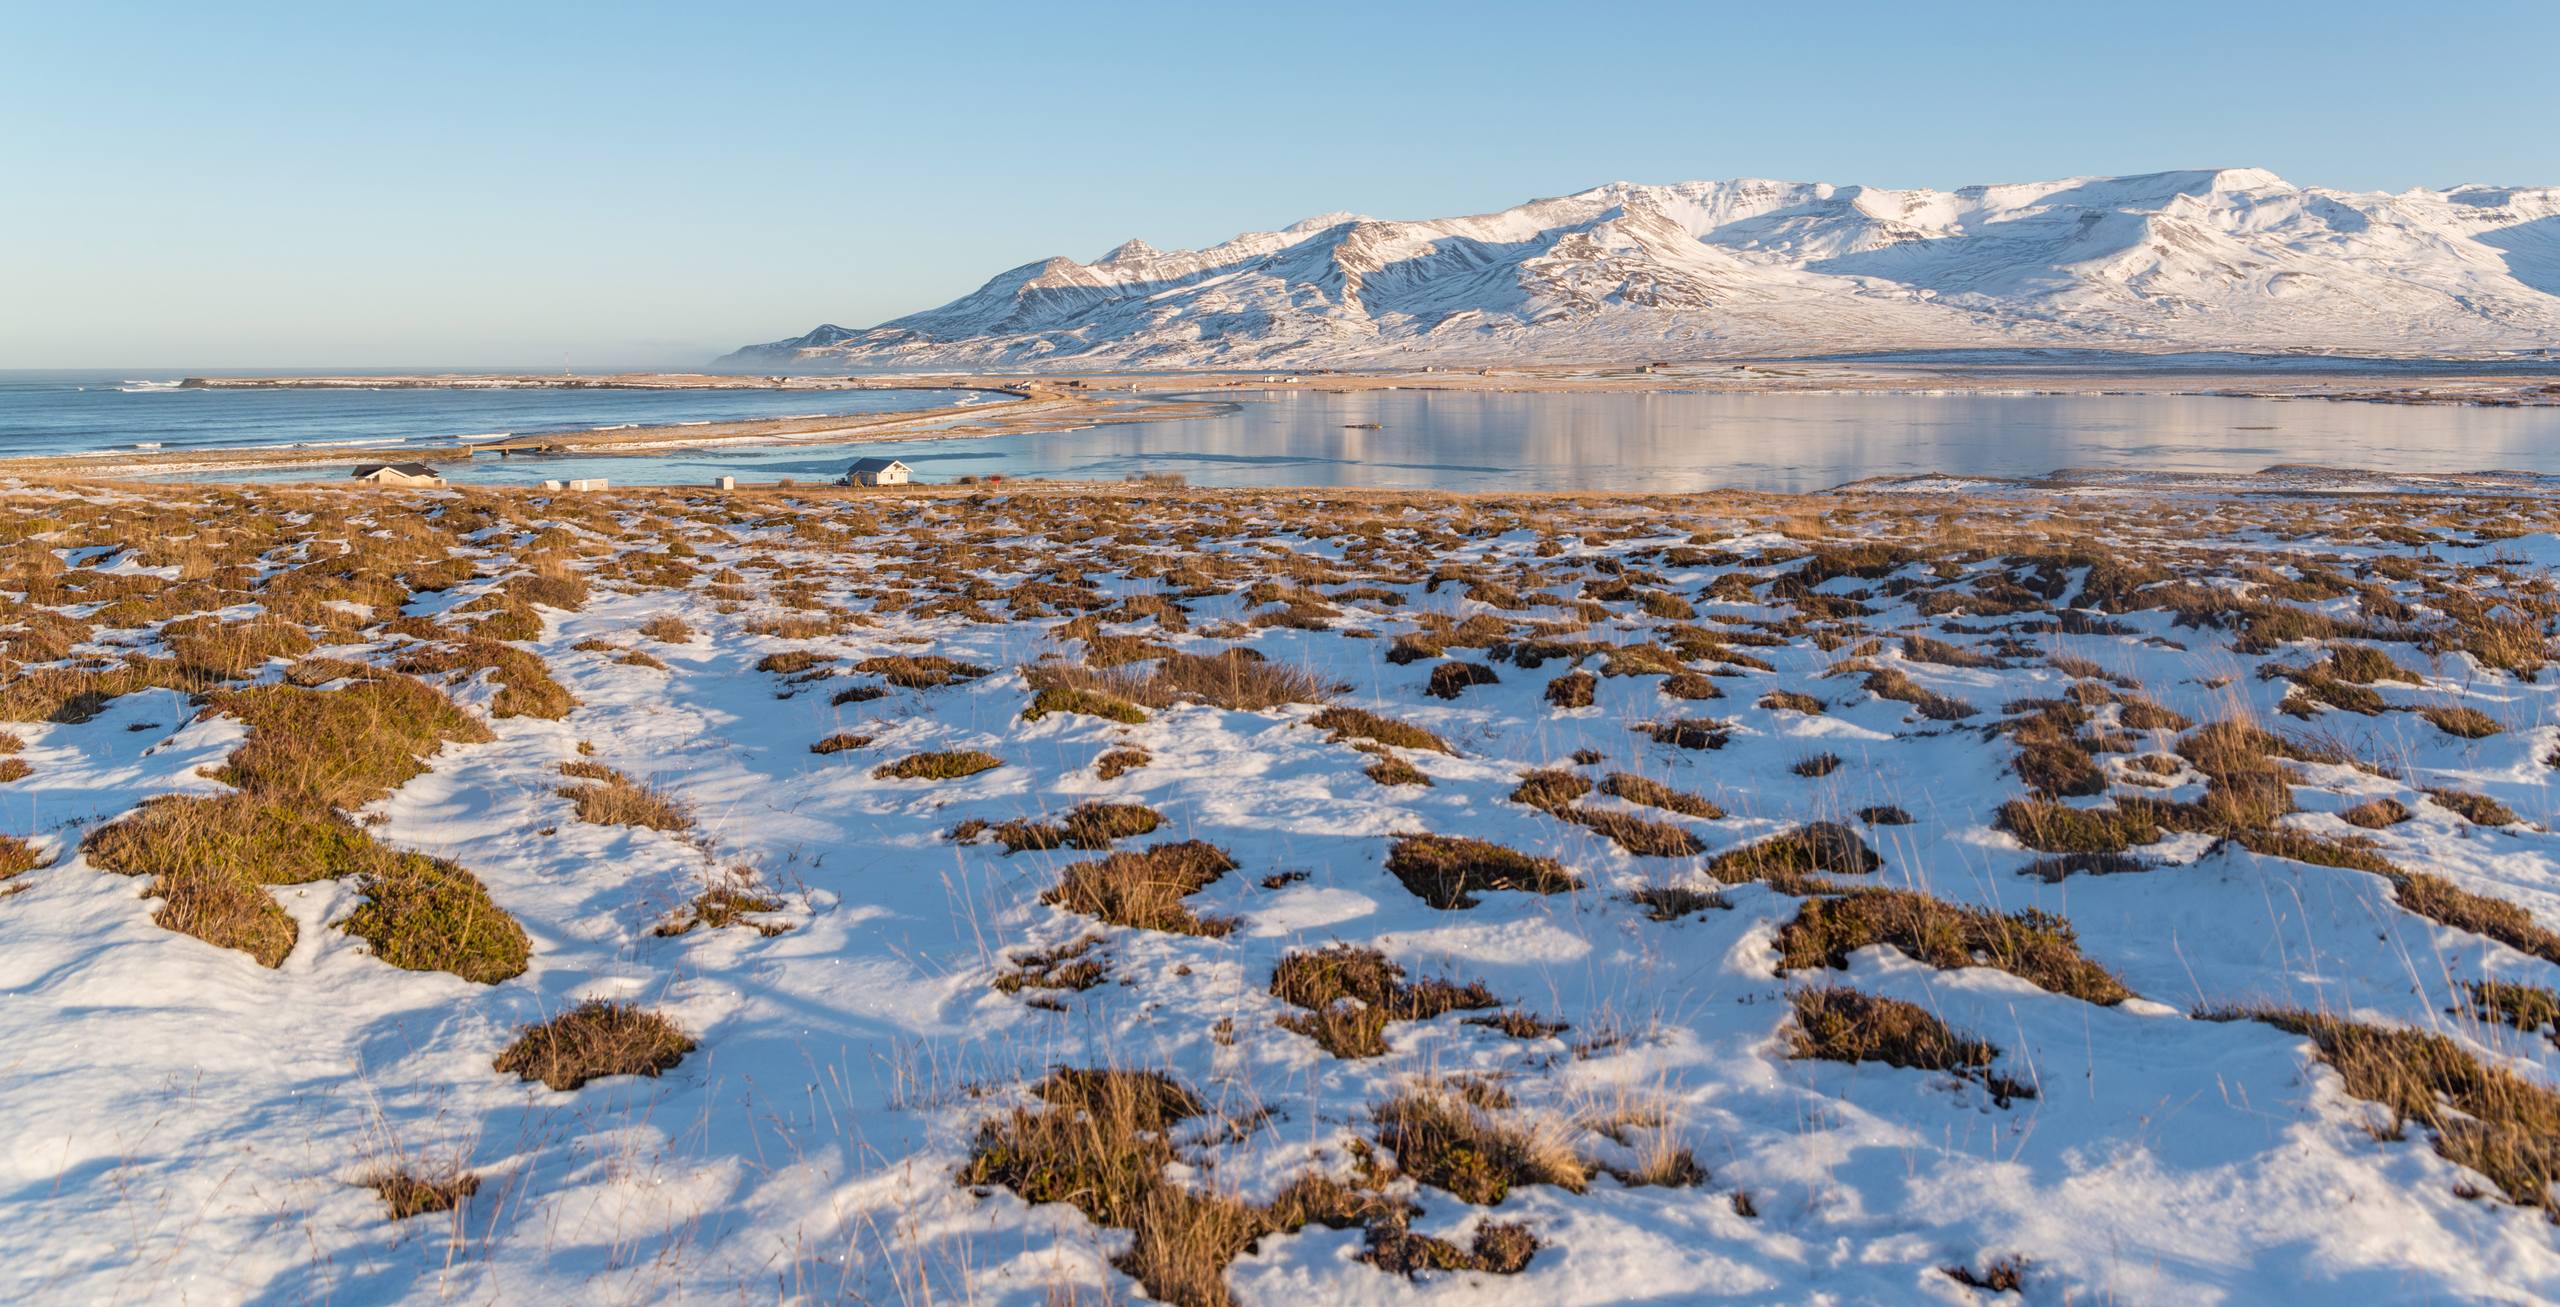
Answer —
1405 438
1663 442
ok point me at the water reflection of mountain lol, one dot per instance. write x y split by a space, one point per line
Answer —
1675 442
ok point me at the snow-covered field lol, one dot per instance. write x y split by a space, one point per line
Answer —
2287 760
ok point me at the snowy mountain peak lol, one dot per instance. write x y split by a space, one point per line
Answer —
2214 259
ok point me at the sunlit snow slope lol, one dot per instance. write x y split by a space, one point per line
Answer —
2234 259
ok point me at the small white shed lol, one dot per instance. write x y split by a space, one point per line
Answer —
399 474
876 472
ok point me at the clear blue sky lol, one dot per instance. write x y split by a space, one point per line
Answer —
357 184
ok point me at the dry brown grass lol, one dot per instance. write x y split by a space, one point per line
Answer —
1234 679
1789 862
920 672
595 1039
2483 1117
1447 871
1091 825
2466 723
1145 888
409 1193
736 901
1655 794
1070 966
617 800
1349 995
1090 703
1357 724
2440 900
667 628
18 857
1102 1143
347 746
428 914
1888 683
1845 1025
2036 947
1574 689
1116 763
209 859
2376 814
2478 809
525 684
1448 1143
937 766
2532 1009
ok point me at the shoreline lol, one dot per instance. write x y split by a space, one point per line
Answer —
1050 402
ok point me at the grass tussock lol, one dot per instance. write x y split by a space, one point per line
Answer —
1348 995
1689 732
1392 771
595 1039
1091 826
920 671
1235 679
1103 1142
1072 966
1448 871
1575 689
1145 888
937 766
428 914
1116 763
1089 703
1672 902
525 684
1888 683
18 857
2376 814
2476 808
2034 946
347 746
211 857
2464 723
2532 1009
2483 1117
614 799
1846 1025
1654 794
2050 827
667 628
408 1193
2440 900
1789 862
1444 1141
1357 724
841 742
736 902
1455 677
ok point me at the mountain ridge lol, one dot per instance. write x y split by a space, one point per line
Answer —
2233 259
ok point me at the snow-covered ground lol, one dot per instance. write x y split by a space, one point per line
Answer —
187 1125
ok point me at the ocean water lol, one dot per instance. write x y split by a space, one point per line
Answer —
80 412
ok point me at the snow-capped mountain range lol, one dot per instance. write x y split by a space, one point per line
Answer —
2235 259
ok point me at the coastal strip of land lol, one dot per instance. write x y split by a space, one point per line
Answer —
1026 409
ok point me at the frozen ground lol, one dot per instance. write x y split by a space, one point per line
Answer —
189 1125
